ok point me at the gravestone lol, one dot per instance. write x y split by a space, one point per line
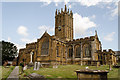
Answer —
31 54
37 65
55 65
91 74
35 76
25 67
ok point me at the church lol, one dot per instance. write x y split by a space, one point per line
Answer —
63 49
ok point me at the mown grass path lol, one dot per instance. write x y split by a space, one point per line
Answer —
14 74
5 71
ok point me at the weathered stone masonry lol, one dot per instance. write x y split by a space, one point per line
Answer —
61 48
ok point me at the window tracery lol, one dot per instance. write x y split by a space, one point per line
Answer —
45 47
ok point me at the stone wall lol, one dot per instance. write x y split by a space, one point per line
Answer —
107 57
61 48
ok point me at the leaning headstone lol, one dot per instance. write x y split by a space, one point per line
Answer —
35 66
35 76
38 66
55 66
24 68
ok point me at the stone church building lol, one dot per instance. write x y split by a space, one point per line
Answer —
62 48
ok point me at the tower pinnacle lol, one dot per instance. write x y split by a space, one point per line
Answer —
65 8
96 32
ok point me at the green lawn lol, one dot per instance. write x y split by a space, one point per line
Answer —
6 71
68 71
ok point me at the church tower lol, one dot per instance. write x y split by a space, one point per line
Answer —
64 24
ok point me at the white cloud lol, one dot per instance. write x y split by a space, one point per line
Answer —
90 32
22 30
89 3
70 6
9 39
19 46
47 2
81 24
109 37
56 4
93 17
66 1
114 12
44 28
108 7
25 40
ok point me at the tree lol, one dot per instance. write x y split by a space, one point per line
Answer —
9 51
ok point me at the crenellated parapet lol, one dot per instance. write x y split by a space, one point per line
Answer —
91 38
66 11
64 24
31 45
107 56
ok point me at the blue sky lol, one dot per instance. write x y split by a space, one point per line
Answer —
25 22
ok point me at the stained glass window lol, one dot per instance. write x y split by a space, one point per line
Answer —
45 47
87 50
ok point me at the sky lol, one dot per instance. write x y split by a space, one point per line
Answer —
25 22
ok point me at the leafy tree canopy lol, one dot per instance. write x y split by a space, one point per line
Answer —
9 51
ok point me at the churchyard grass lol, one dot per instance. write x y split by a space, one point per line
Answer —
6 71
68 71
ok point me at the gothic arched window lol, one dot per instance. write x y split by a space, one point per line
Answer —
87 50
70 52
57 51
45 47
78 52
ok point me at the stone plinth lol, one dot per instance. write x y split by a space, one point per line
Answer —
91 74
116 66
